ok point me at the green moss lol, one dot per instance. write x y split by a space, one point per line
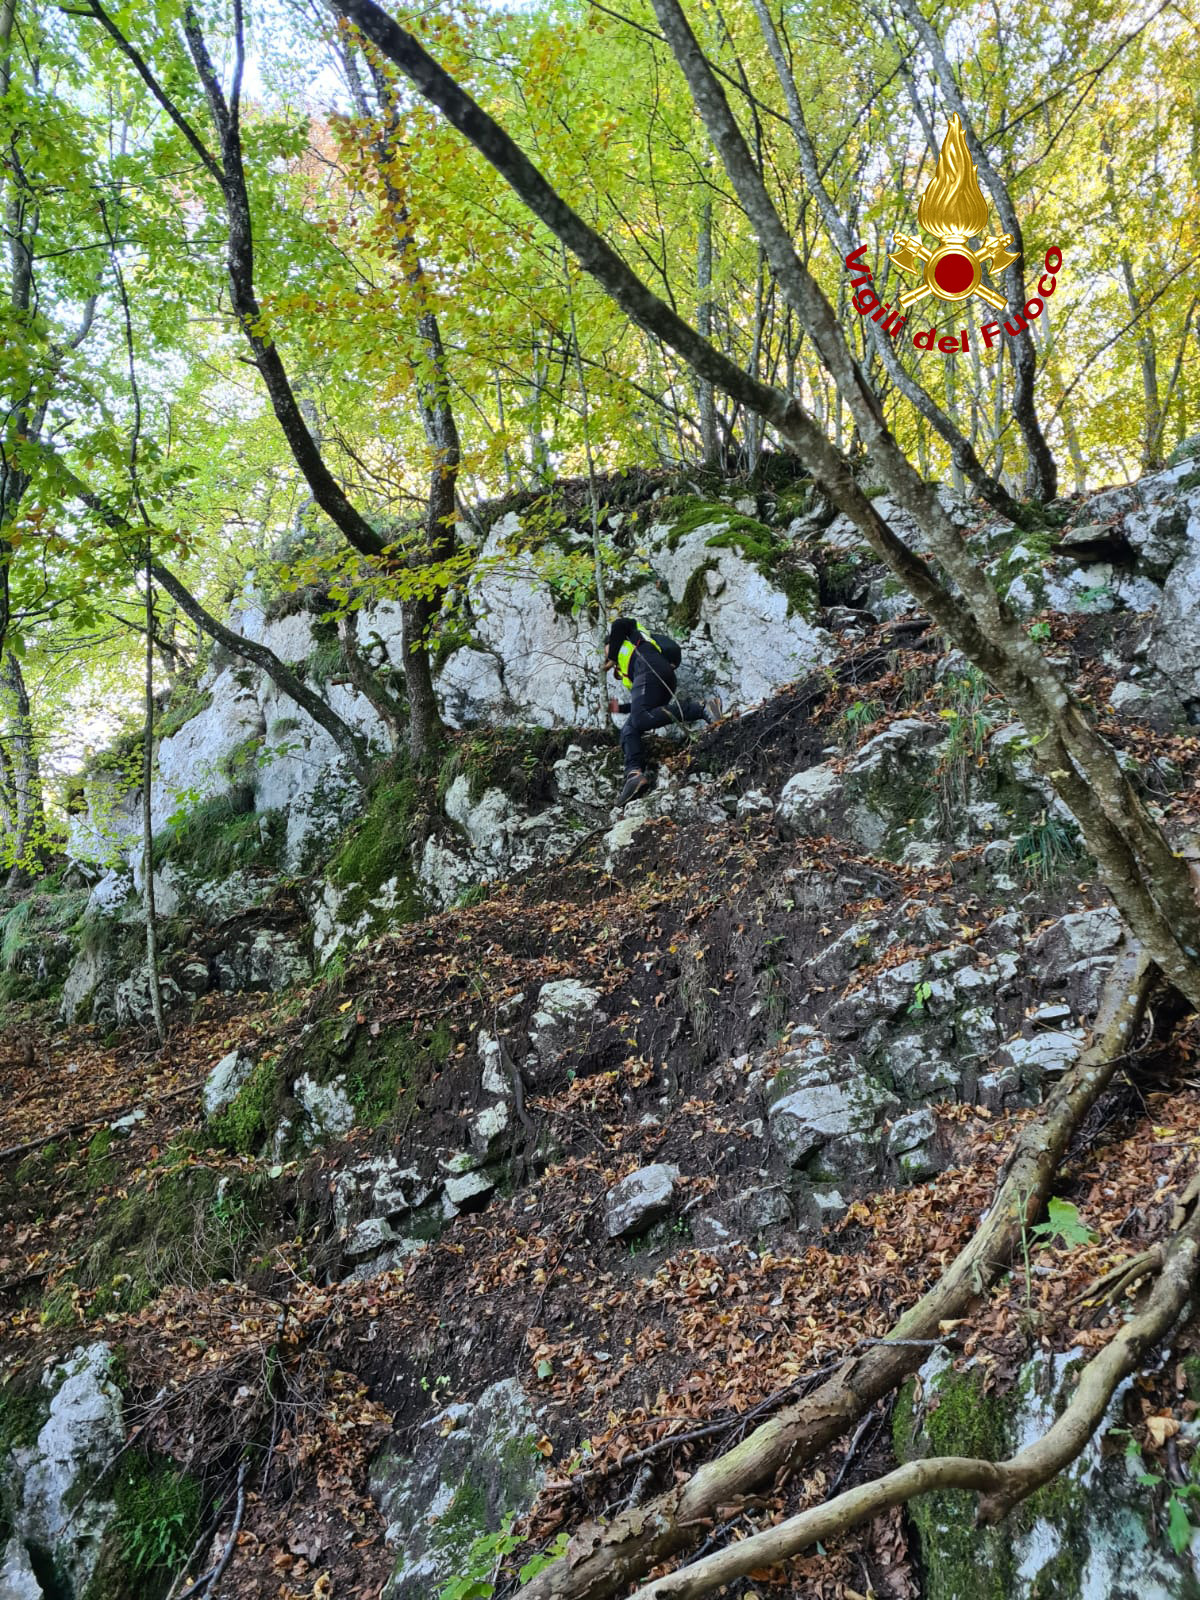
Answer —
156 1524
379 850
682 514
517 760
252 1114
382 1071
1185 450
685 613
24 1408
464 1519
186 1227
325 661
753 541
222 835
1190 1366
101 1167
964 1422
176 716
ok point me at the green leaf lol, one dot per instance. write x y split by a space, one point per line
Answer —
545 1369
1063 1222
1179 1525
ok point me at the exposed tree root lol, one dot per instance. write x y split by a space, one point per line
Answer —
1001 1484
601 1563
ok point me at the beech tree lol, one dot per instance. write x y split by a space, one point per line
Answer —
226 167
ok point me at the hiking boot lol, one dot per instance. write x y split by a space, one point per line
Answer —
635 784
712 708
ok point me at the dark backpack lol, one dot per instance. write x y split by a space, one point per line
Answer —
671 653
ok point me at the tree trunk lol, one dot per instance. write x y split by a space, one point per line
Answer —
29 816
156 1008
1148 357
705 398
352 746
419 615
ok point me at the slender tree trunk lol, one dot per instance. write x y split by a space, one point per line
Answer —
539 454
1185 335
156 1007
705 398
1148 359
29 832
1051 363
420 613
600 631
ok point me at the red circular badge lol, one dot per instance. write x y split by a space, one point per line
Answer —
954 273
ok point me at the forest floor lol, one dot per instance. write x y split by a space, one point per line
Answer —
246 1342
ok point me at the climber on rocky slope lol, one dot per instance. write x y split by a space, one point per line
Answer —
645 662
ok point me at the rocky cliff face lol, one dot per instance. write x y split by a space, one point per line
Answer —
619 1122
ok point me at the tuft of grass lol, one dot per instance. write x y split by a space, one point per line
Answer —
857 716
220 835
1045 849
155 1527
175 716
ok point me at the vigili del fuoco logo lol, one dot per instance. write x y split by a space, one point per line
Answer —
954 210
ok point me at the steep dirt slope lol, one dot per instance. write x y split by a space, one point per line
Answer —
275 1326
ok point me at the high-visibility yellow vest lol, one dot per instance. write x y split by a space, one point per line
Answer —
625 658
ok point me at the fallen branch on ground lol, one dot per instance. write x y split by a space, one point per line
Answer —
70 1129
1001 1484
601 1562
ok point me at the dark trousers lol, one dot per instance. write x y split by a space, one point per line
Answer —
653 704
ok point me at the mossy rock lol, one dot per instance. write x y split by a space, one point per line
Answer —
518 760
961 1420
378 850
684 615
254 1112
684 513
381 1073
176 716
1092 1530
775 558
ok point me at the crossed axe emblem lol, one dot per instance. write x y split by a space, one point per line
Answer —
953 271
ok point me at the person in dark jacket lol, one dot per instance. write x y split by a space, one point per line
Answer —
645 664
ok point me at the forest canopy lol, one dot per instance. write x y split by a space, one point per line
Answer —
400 285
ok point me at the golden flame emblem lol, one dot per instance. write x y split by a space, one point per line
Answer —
954 209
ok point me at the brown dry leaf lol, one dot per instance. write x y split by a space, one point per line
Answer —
1161 1429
